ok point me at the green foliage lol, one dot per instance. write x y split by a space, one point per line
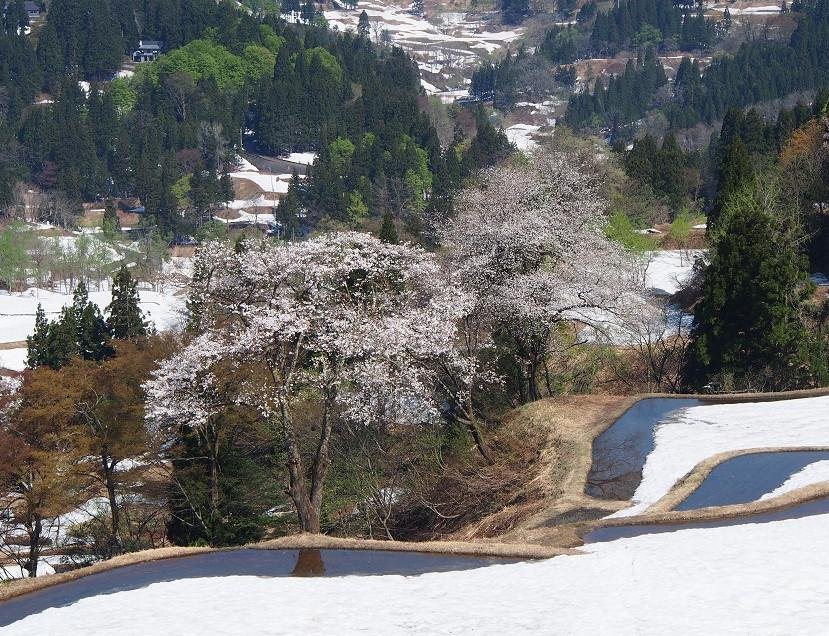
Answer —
181 190
357 210
205 59
15 239
620 229
110 225
341 151
735 172
246 490
270 39
123 94
623 100
325 61
79 331
126 321
259 62
747 331
91 331
681 227
388 232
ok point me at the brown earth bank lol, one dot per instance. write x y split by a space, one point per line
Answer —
560 512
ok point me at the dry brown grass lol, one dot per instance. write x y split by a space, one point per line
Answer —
245 188
478 548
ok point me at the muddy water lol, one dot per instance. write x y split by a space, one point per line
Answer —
748 477
816 507
243 562
620 452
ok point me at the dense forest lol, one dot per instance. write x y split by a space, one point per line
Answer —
760 71
631 25
167 134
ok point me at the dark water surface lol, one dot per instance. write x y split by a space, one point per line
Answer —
748 477
620 452
816 507
243 562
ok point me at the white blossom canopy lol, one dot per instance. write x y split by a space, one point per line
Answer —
344 315
529 244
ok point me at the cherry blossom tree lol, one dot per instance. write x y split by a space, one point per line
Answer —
344 320
528 245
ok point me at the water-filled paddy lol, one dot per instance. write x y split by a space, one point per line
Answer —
244 562
746 478
620 452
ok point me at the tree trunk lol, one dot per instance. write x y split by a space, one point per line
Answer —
322 461
475 432
307 516
34 547
215 497
114 510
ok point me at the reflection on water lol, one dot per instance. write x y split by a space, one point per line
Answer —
620 452
309 563
242 562
748 477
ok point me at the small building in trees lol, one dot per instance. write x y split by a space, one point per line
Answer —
32 9
147 51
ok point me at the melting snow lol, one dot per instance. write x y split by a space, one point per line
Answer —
695 434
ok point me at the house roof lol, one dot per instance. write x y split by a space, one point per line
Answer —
31 6
150 44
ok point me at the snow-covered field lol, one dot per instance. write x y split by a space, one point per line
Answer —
695 434
747 579
752 578
445 43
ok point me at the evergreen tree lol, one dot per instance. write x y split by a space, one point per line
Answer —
747 331
38 343
91 332
363 25
388 232
308 12
110 225
62 344
669 165
735 172
125 322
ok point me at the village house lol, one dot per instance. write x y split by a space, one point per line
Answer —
148 51
32 9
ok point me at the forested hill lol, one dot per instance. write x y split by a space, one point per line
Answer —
761 70
167 135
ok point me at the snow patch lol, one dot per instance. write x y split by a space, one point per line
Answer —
669 270
812 474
